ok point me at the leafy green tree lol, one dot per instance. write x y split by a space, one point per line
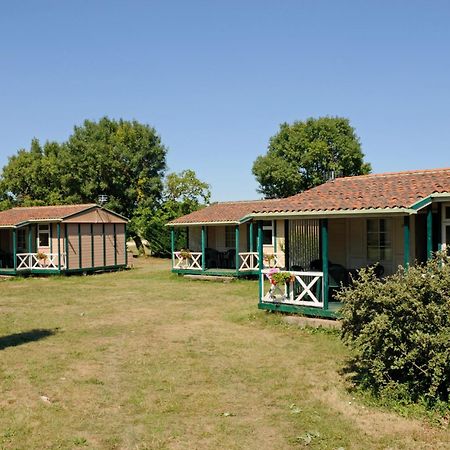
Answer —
183 194
304 154
124 160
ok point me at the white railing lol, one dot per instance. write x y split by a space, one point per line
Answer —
248 261
30 261
194 262
304 289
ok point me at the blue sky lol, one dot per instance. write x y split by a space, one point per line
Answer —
217 78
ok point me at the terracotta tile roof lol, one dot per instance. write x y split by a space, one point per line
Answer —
222 212
385 190
15 216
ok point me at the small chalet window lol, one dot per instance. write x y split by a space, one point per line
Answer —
43 235
21 239
379 239
267 230
447 212
230 237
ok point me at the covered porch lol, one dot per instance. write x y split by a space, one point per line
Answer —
31 248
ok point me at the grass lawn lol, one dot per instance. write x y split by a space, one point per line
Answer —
144 359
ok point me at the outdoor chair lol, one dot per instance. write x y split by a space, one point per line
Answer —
211 258
229 259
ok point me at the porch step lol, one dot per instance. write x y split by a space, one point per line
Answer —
313 322
216 278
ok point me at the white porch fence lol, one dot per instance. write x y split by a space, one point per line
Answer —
305 289
250 260
192 263
30 261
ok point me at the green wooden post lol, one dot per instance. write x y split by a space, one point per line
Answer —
406 241
187 238
80 256
115 245
14 243
286 244
66 244
172 244
203 248
104 245
58 235
324 239
92 246
250 232
261 260
275 237
125 244
50 232
429 232
237 259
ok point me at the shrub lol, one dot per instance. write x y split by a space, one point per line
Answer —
399 330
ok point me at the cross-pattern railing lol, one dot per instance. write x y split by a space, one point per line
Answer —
249 261
193 262
30 261
303 289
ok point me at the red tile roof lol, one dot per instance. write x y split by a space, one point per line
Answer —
15 216
222 212
385 190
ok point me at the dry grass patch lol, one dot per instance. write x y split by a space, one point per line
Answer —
146 360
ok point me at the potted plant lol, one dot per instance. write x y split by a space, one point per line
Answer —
270 258
185 256
42 258
282 278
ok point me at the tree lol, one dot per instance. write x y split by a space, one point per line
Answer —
183 193
124 160
304 154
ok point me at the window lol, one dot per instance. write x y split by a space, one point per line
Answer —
379 239
43 235
447 213
267 230
21 239
230 237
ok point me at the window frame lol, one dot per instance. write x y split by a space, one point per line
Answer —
230 233
21 240
388 233
270 227
43 232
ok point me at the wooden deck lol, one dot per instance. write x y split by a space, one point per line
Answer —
217 272
332 312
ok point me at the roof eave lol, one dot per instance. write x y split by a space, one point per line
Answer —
190 224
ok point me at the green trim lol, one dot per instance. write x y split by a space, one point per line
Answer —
30 240
14 243
250 232
95 269
115 244
187 237
66 245
324 247
305 310
172 244
203 249
8 272
421 203
80 257
274 232
406 243
58 235
92 246
260 261
286 244
236 243
429 233
125 244
104 245
216 272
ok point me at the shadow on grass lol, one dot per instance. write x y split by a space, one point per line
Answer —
12 340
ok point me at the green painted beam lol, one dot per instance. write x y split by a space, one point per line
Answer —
250 231
324 247
274 236
261 261
429 232
50 233
58 236
236 243
406 243
187 237
305 310
30 240
203 248
14 243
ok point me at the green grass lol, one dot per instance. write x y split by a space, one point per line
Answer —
145 359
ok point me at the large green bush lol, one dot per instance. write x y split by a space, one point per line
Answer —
399 330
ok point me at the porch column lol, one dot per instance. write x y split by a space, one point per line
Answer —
58 235
274 231
429 232
172 244
187 238
286 244
261 260
237 259
203 248
30 239
250 233
14 243
406 242
324 247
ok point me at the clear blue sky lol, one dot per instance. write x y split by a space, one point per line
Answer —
217 78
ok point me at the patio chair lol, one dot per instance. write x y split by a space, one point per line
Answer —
211 258
229 259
